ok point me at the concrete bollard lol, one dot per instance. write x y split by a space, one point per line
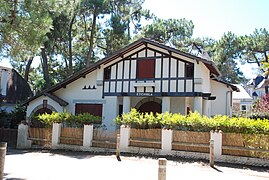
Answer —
162 169
211 155
3 150
118 147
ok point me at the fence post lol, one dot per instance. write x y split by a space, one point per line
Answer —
87 135
3 149
124 137
22 137
211 155
162 169
167 138
217 137
118 147
56 133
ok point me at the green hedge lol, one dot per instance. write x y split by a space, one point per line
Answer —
67 118
194 122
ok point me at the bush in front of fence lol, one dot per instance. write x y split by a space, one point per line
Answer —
193 122
67 118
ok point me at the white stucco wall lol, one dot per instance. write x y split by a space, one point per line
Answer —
177 105
221 105
110 112
202 72
74 92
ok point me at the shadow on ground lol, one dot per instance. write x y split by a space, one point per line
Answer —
180 160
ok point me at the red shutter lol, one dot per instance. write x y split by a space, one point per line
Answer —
146 68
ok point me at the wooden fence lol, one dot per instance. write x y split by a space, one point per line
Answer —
40 136
148 138
104 139
245 145
9 136
71 136
191 141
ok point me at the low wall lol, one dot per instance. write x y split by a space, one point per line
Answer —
246 145
165 142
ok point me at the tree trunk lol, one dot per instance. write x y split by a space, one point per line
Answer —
45 68
89 55
70 62
27 69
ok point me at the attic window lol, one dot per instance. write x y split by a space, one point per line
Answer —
107 73
189 70
146 69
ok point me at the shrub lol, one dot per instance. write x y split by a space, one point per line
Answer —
87 118
67 118
194 122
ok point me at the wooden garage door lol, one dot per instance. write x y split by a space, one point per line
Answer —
94 109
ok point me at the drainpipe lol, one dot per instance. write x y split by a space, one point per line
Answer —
227 93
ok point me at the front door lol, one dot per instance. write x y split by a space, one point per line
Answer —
150 106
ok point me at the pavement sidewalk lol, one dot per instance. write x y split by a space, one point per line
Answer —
50 165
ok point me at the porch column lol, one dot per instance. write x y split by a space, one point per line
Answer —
166 104
126 104
198 104
207 108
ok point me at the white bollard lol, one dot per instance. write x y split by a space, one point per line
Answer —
162 169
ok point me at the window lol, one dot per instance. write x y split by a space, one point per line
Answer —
189 70
243 107
145 68
107 73
94 109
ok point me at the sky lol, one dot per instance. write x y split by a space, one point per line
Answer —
212 18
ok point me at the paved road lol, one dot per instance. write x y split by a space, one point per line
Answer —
56 165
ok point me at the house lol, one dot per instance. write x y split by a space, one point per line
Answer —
256 87
242 101
13 89
145 75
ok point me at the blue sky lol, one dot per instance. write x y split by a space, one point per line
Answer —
212 18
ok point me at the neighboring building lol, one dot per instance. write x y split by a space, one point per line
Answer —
242 101
145 75
13 89
256 87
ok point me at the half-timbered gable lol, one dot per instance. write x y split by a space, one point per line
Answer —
149 72
145 75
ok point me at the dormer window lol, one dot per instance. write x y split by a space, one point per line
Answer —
145 69
189 70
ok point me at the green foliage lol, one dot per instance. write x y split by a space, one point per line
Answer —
87 118
194 122
18 114
3 117
67 118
